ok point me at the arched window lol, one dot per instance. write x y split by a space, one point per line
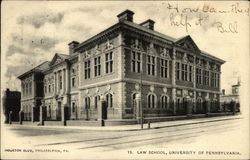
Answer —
109 99
87 102
97 98
164 102
151 101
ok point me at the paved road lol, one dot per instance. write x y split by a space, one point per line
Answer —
117 140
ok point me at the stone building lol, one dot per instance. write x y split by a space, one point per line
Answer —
114 63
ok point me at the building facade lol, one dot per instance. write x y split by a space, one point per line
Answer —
125 59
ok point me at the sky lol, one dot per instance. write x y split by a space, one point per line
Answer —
32 32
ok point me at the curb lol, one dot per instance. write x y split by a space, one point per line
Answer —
182 123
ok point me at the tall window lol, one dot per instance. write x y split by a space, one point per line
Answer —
87 103
198 76
164 68
217 80
151 65
97 98
87 69
97 66
164 102
206 77
190 73
151 101
73 107
60 79
212 79
45 89
184 72
109 62
73 81
178 71
49 88
30 87
109 99
136 62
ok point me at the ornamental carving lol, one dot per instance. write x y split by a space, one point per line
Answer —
185 59
152 88
109 45
207 66
136 44
97 50
165 53
137 86
165 90
86 54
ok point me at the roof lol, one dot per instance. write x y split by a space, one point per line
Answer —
41 67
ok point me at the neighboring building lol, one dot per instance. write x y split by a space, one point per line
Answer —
225 99
11 103
111 64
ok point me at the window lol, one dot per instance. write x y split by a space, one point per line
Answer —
178 71
109 99
60 79
97 98
73 107
206 77
184 72
45 89
212 79
151 65
190 73
49 88
30 87
109 62
217 80
73 82
151 101
198 76
136 62
164 102
87 103
164 68
87 69
97 66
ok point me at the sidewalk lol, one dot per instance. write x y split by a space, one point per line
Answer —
136 127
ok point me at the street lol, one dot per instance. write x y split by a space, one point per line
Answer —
212 134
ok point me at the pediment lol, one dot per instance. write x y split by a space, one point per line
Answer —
187 43
56 59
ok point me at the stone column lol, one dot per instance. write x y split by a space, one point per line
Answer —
63 81
189 106
67 81
41 114
80 70
194 101
33 111
55 88
207 105
138 107
58 82
174 81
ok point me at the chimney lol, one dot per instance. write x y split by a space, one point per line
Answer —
126 15
223 92
72 46
148 24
